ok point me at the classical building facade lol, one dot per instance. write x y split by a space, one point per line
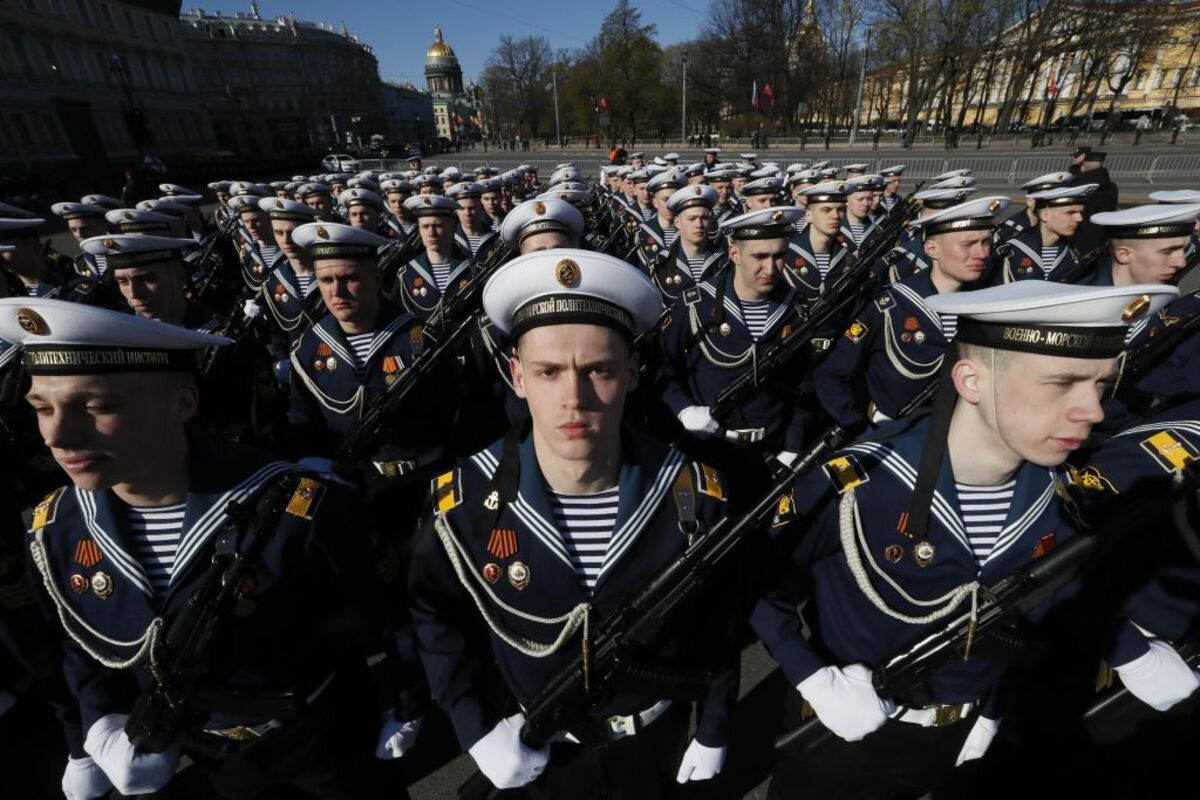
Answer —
409 115
283 85
89 86
454 106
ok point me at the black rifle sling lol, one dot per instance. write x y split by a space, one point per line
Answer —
917 522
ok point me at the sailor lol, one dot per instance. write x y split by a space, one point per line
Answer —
290 291
558 525
26 267
1018 222
362 208
442 264
283 696
908 255
894 346
658 232
818 252
318 196
857 225
1046 252
891 189
761 193
474 225
399 221
895 540
83 222
694 256
1146 244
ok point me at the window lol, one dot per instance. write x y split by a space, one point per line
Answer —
1140 80
1159 77
51 61
1178 78
85 11
1196 78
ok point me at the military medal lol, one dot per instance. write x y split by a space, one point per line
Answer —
893 553
503 543
391 369
87 553
518 575
919 336
102 585
1045 545
923 553
331 363
725 329
906 337
79 584
491 573
319 365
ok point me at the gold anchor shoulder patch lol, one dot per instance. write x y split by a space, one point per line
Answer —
306 498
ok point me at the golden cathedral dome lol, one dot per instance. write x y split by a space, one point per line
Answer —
439 49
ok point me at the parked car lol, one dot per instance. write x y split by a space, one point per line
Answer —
340 162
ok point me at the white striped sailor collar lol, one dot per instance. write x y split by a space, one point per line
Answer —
8 352
784 295
423 268
914 289
654 230
204 516
1062 247
1032 496
389 321
681 261
648 471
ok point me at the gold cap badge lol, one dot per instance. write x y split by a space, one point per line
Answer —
1136 308
32 322
567 272
321 232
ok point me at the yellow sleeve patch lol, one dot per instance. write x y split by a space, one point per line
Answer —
846 473
447 494
710 482
1171 452
45 511
856 331
785 511
305 499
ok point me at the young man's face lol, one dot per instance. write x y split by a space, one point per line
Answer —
1038 408
757 201
858 205
961 255
724 189
395 201
893 185
693 225
154 290
470 213
545 240
660 204
363 217
282 231
104 430
255 222
86 227
491 203
1062 220
575 379
826 217
1151 260
350 289
437 232
758 263
643 196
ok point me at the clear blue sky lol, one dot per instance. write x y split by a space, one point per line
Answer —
399 31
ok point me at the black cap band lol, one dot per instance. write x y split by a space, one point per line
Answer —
143 227
1046 340
564 309
95 360
1158 230
543 226
119 260
330 250
956 225
781 231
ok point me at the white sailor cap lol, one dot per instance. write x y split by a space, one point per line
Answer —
694 195
396 185
312 189
609 169
1063 196
827 192
64 338
818 165
239 188
638 154
297 178
173 189
954 173
764 172
767 185
660 161
692 170
860 183
7 248
942 198
539 216
795 167
485 171
326 240
432 169
428 180
1176 196
671 157
337 177
1051 318
808 176
11 213
245 202
290 188
623 171
360 182
279 208
892 172
567 286
464 189
748 156
828 173
360 197
134 249
765 223
276 185
491 185
1162 221
960 182
129 220
570 173
451 173
77 210
366 173
712 150
639 176
431 205
102 200
1051 180
576 197
168 207
668 179
720 174
974 215
411 174
860 167
223 186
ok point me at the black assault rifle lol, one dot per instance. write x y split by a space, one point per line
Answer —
838 299
615 654
1101 526
181 657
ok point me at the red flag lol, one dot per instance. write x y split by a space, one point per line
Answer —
769 94
603 104
1052 87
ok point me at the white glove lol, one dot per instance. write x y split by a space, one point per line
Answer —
131 772
699 420
1160 678
700 763
504 759
396 738
787 458
845 701
978 740
84 780
251 310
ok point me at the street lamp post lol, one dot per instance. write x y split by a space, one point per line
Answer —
557 127
683 132
862 75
